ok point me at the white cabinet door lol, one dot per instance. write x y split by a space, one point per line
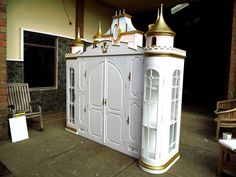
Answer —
110 101
115 95
135 92
96 72
82 122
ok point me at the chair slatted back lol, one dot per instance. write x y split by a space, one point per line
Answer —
19 96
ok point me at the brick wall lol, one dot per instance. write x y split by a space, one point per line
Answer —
3 72
232 69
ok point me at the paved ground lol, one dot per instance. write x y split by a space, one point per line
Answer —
58 153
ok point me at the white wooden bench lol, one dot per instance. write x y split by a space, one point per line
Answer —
19 102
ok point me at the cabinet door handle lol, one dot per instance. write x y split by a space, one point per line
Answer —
73 97
85 74
127 120
85 109
129 77
104 102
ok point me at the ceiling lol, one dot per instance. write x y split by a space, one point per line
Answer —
137 6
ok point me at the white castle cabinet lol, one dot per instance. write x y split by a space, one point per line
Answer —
104 96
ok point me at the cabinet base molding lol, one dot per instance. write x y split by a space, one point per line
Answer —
158 169
72 130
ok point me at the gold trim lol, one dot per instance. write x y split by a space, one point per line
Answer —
124 33
160 33
165 55
151 167
122 15
132 32
104 47
71 129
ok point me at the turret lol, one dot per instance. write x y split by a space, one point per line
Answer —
159 34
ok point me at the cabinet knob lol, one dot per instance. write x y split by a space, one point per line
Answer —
129 77
104 102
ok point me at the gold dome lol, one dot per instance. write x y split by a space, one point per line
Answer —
160 27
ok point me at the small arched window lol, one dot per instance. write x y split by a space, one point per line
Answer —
154 41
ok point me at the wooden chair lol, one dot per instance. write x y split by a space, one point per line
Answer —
226 115
19 102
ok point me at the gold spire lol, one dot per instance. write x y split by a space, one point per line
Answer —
160 27
98 35
77 41
151 25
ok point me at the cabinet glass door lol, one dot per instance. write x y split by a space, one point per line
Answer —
72 95
174 110
150 111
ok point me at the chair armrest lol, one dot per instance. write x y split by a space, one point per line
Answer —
36 104
228 115
226 111
225 105
11 106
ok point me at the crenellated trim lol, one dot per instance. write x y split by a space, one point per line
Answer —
164 51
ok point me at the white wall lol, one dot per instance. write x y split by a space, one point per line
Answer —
95 12
48 16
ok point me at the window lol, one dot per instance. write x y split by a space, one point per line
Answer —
40 60
174 110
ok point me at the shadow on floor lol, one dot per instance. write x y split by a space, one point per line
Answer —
4 171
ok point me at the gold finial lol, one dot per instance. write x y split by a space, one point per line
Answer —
160 27
158 15
98 35
78 33
99 27
77 41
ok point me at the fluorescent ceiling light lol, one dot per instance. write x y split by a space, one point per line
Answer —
178 7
